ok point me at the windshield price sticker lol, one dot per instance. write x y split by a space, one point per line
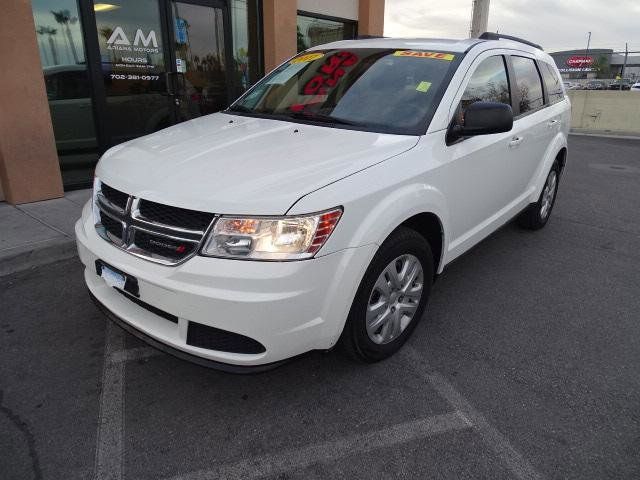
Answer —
412 53
423 87
309 57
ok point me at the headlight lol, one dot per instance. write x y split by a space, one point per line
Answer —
271 238
94 200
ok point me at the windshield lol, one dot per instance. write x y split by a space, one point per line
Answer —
392 91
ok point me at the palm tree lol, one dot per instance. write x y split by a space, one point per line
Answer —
64 18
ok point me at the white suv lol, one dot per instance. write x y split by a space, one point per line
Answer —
318 208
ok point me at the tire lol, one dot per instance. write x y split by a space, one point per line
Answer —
400 306
537 214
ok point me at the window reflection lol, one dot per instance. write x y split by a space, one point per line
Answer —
552 82
246 47
488 83
201 58
528 84
313 31
61 46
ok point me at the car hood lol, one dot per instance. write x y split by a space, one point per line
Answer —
231 164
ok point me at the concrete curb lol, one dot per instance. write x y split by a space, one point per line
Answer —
592 133
35 255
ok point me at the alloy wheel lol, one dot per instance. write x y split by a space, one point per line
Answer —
548 195
394 299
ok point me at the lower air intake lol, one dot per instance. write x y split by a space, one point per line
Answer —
203 336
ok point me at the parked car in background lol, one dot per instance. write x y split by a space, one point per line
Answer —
571 86
635 87
596 85
624 84
319 207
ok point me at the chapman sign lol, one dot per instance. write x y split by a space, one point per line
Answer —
577 61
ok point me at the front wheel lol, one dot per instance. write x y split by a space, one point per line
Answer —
391 297
537 214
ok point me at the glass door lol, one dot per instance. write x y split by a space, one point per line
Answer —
200 77
133 64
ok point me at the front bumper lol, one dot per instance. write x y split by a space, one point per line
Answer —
289 307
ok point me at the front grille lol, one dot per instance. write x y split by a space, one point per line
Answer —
156 232
174 216
204 336
114 196
114 227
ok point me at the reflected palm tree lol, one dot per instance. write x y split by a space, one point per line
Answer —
50 32
64 18
106 32
41 31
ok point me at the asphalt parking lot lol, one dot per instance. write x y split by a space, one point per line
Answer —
526 366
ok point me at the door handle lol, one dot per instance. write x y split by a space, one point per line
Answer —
515 141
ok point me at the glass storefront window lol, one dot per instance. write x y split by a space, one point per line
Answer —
62 54
200 54
312 31
246 44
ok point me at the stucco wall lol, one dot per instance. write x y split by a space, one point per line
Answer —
605 111
334 8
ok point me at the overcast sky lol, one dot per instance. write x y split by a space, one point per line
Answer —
555 24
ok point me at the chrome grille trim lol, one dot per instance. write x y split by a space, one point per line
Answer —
132 221
141 219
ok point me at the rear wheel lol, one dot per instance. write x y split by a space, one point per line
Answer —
537 214
391 297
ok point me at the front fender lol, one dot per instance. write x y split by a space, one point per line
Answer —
376 201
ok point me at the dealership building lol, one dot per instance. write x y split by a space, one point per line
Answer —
80 76
595 63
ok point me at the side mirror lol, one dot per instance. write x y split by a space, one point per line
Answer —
484 118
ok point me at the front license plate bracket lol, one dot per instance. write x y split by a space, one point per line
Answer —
114 277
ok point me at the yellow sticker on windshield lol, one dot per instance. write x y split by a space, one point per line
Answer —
423 87
309 57
413 53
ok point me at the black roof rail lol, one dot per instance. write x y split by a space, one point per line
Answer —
498 36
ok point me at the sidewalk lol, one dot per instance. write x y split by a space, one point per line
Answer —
40 232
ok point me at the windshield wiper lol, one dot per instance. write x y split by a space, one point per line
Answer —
319 117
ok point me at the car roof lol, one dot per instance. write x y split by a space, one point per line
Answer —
437 44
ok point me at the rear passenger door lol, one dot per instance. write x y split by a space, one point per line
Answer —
532 128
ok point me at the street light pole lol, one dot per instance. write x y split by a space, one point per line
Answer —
624 65
586 52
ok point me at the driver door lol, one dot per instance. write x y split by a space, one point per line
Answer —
480 169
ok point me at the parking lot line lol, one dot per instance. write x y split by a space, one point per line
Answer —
130 354
510 457
295 459
109 459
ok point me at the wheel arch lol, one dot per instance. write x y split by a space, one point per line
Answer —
557 150
429 226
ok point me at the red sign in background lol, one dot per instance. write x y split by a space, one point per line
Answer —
578 61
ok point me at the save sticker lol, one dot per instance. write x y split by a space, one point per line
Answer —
423 86
309 57
417 54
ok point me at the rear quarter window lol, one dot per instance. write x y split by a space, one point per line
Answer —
552 83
